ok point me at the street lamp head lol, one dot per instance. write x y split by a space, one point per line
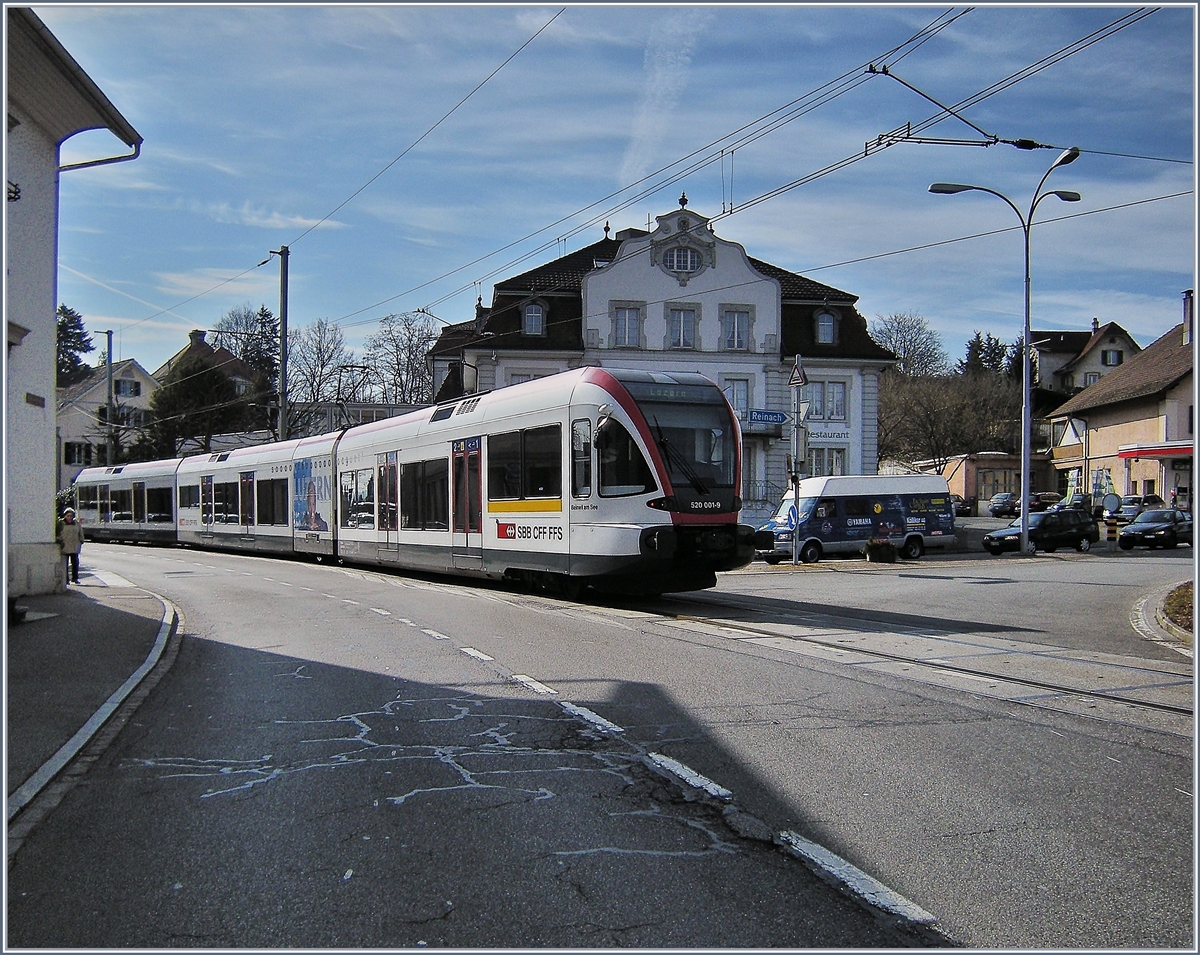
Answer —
1066 195
949 188
1068 156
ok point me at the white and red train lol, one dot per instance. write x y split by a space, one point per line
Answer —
624 481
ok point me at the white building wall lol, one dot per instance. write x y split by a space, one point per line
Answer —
31 290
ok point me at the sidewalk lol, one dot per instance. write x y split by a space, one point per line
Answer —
71 661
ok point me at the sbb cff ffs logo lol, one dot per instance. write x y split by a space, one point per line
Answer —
537 532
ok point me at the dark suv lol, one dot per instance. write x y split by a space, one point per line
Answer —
1048 531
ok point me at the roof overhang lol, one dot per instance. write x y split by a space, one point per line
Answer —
1164 449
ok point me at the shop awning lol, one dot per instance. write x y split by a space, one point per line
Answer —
1165 449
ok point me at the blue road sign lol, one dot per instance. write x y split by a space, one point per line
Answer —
767 417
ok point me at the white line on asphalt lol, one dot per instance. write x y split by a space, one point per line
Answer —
434 634
534 684
689 775
477 654
598 721
857 881
382 613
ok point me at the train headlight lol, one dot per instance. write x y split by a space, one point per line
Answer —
664 504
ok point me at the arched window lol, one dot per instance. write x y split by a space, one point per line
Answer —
826 328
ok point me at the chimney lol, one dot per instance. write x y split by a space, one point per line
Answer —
197 336
1095 325
1187 317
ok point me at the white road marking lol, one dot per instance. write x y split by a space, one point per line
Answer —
534 684
477 654
381 612
598 721
854 879
689 775
434 634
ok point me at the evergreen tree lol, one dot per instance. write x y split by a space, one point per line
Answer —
195 401
73 342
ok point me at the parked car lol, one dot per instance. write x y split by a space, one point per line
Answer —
1003 505
961 507
1156 527
1041 501
1048 531
1132 505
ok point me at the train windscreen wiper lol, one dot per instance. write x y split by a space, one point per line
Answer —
679 459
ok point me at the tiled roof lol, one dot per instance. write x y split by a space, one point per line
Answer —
564 274
1150 372
97 377
220 358
1095 340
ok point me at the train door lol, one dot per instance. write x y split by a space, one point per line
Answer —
139 502
387 488
246 503
104 504
467 506
207 505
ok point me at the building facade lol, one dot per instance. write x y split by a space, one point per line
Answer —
1068 362
50 99
82 417
680 298
1133 431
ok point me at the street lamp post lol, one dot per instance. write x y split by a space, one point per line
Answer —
952 188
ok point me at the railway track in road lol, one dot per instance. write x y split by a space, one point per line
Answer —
1099 686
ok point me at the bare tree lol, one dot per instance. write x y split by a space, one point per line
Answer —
396 356
316 355
933 418
912 340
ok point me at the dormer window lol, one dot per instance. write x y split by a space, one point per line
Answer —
826 328
534 319
682 259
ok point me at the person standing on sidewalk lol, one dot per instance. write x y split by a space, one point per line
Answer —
70 542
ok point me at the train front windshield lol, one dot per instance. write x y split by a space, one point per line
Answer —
694 433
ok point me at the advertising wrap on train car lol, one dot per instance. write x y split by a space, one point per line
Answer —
312 496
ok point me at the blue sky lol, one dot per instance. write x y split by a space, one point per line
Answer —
260 122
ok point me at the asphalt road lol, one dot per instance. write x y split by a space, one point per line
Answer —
341 757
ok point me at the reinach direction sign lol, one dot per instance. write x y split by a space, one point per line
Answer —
760 416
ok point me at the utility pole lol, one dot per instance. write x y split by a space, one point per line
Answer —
283 340
110 443
796 383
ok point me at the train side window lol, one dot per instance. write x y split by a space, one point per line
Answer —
189 495
389 491
358 497
139 502
246 505
425 495
542 454
158 505
581 458
504 466
623 467
272 501
87 498
122 505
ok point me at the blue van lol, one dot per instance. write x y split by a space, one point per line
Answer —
839 514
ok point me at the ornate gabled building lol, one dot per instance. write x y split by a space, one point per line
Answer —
681 298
